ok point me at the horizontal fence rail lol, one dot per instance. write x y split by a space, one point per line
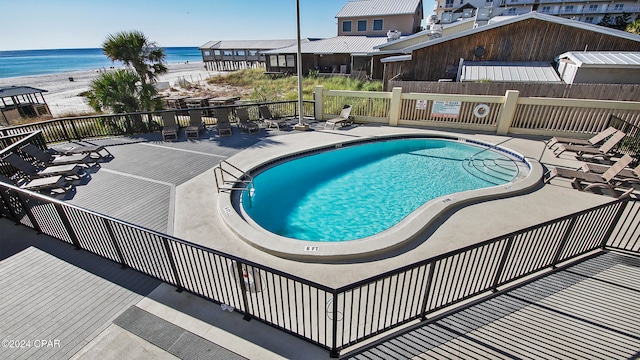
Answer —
78 128
333 319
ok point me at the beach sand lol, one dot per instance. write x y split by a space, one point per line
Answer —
63 98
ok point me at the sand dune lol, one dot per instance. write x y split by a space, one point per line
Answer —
62 94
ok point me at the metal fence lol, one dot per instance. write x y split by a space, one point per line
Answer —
333 319
77 128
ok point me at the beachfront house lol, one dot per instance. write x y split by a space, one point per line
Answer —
530 37
228 55
22 101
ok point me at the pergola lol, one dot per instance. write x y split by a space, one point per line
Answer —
22 101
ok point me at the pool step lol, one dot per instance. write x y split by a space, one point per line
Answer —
495 171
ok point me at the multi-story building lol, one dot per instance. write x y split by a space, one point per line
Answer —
589 11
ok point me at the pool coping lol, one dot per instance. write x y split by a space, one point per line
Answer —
405 231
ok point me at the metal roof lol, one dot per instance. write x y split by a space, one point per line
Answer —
19 90
378 8
603 59
247 44
335 45
501 71
524 17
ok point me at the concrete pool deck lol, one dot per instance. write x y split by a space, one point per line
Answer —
198 219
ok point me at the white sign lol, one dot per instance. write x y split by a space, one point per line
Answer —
421 105
446 109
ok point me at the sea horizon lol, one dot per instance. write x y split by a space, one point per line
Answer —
17 63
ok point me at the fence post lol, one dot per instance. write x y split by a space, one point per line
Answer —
112 236
27 210
563 242
67 225
172 263
334 353
319 102
427 291
394 108
243 288
507 112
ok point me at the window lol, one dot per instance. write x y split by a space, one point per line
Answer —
512 11
227 53
546 9
618 7
291 61
568 9
346 26
589 19
593 8
240 52
273 60
362 25
252 52
513 1
449 4
377 24
282 61
216 52
207 53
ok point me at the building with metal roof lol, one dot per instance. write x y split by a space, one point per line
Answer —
237 54
379 17
599 67
337 55
503 71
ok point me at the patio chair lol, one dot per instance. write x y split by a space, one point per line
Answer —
593 141
605 151
73 149
268 118
625 175
196 126
222 124
34 172
47 159
343 119
52 183
606 180
170 128
244 123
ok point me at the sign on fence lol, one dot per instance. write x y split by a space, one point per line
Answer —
421 105
446 109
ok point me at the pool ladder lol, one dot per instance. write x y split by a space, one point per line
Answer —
228 178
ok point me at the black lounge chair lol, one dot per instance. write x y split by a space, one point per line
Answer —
47 159
606 151
95 151
196 126
244 123
269 119
170 128
33 172
53 184
222 124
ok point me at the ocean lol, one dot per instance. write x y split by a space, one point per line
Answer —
40 62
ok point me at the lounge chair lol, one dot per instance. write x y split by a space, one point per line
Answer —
605 180
605 151
91 150
625 175
593 141
170 128
33 172
47 159
222 124
196 126
343 119
244 123
268 118
52 183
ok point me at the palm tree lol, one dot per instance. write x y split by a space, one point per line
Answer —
633 27
122 91
133 49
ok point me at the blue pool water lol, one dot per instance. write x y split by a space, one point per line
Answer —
358 191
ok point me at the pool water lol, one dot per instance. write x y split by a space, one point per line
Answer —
358 191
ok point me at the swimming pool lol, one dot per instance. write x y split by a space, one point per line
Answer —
358 191
235 206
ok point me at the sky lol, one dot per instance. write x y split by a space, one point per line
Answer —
67 24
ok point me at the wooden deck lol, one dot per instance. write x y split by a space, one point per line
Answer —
588 311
